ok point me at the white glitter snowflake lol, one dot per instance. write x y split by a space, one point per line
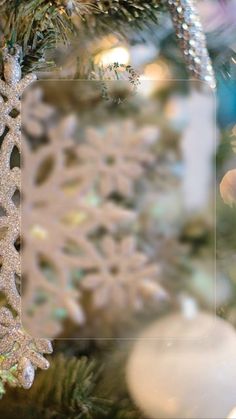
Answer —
114 158
122 277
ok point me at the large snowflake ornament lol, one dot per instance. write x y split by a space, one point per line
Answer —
16 345
58 218
69 223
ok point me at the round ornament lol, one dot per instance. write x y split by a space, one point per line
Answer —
184 368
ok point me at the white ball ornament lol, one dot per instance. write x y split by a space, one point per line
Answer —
184 368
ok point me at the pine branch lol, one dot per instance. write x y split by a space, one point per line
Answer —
122 17
67 390
40 25
37 26
130 10
7 378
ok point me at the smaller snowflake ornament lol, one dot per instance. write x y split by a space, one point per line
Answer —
115 158
122 277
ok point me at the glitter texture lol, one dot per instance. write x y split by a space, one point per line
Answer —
17 348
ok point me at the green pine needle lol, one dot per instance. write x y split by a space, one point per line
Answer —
7 378
40 25
67 390
129 10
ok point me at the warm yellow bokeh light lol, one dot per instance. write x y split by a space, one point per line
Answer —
158 74
76 218
234 131
38 232
113 55
156 71
171 109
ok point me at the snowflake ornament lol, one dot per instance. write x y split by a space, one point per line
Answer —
69 223
34 112
114 159
122 277
17 347
58 218
65 213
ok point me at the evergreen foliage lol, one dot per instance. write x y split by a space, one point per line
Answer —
129 10
37 26
73 388
67 390
40 25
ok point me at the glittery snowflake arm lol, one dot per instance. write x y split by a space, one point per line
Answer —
19 352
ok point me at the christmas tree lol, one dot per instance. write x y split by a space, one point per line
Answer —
117 197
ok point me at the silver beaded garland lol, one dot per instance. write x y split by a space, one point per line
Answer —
192 40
